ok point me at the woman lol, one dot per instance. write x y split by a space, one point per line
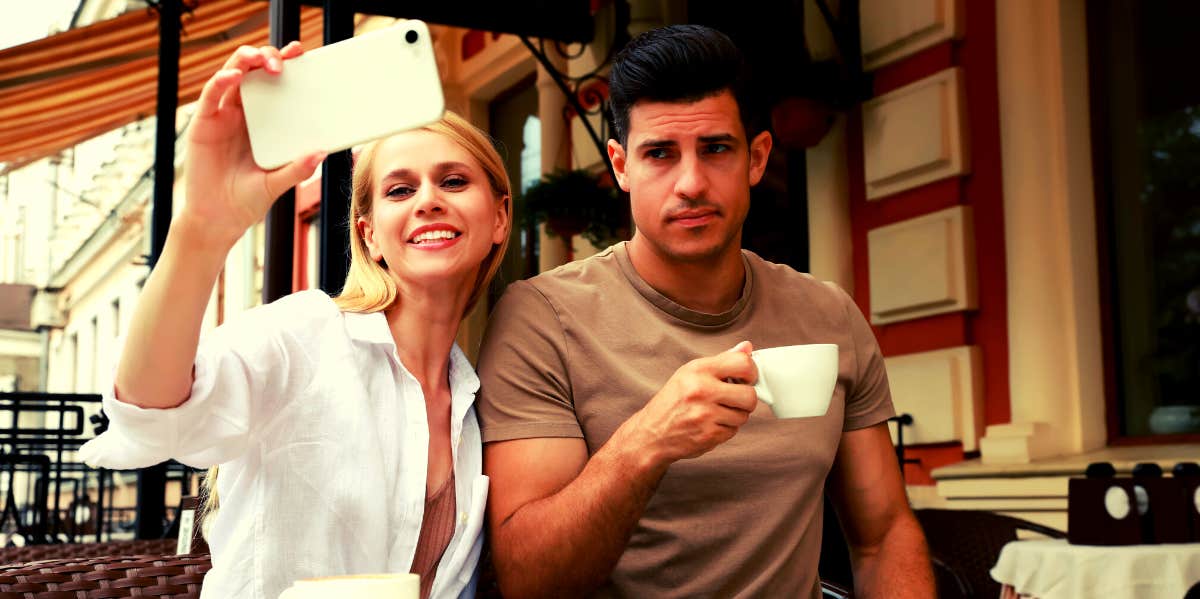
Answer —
344 427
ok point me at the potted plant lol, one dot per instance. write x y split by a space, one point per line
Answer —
577 202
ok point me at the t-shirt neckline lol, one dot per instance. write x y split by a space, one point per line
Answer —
683 313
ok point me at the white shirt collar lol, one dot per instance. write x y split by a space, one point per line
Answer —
369 327
373 328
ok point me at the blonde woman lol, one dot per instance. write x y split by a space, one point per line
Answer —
343 427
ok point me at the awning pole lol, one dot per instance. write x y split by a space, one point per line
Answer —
152 481
335 176
280 225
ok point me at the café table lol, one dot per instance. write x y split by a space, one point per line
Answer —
1055 569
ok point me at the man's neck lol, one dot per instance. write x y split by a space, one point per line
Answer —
711 286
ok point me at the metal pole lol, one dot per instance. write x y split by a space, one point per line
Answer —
334 249
152 481
800 253
280 226
164 141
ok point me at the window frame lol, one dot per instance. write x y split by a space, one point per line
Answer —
1099 113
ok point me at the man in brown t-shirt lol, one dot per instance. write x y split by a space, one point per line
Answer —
628 452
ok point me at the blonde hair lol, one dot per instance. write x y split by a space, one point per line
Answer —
369 287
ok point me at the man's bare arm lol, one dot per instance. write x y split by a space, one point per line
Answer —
559 521
887 546
575 515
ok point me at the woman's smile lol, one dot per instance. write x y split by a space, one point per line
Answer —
434 237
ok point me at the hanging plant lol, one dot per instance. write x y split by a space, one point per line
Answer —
577 202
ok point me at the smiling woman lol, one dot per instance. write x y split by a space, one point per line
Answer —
476 169
344 427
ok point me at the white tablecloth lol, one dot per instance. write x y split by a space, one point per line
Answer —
1054 569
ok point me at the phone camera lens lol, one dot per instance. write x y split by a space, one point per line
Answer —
411 37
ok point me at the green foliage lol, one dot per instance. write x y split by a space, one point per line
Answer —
577 203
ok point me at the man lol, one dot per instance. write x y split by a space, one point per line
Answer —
628 453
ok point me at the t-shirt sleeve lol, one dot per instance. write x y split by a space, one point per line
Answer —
525 388
240 372
869 400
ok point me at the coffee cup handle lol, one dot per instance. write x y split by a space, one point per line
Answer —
764 394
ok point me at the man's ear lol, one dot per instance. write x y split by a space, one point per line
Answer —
368 234
616 154
760 150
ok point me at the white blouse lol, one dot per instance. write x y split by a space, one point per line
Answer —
322 438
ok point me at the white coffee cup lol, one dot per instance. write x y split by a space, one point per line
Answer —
797 381
362 586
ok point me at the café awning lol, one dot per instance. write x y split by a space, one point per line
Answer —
64 89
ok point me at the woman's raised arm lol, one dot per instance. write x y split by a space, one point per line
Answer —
226 194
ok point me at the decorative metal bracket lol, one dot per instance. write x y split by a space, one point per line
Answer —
187 7
583 97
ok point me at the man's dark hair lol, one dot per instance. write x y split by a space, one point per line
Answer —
679 63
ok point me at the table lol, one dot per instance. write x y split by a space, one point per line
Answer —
1055 569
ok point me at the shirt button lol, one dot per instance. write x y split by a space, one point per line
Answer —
462 517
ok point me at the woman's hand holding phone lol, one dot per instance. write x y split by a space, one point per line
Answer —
227 192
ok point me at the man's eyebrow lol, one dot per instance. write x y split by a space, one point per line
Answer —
657 143
726 137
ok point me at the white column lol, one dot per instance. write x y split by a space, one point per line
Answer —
1055 362
555 151
829 239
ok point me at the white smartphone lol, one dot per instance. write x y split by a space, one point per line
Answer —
344 94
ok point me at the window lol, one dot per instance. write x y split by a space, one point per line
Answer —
94 365
312 251
515 127
73 348
1146 140
116 318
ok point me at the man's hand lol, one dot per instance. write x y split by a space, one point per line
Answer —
700 407
560 520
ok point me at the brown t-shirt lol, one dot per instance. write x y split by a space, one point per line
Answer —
576 351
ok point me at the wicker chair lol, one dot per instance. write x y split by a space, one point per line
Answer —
965 544
167 577
32 553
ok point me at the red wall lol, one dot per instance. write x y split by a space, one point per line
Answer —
981 189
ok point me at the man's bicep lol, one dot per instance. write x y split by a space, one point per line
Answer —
865 485
526 470
525 388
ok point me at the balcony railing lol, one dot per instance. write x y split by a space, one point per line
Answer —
48 495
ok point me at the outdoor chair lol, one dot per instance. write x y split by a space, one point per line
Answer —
950 584
965 544
33 553
831 590
167 577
